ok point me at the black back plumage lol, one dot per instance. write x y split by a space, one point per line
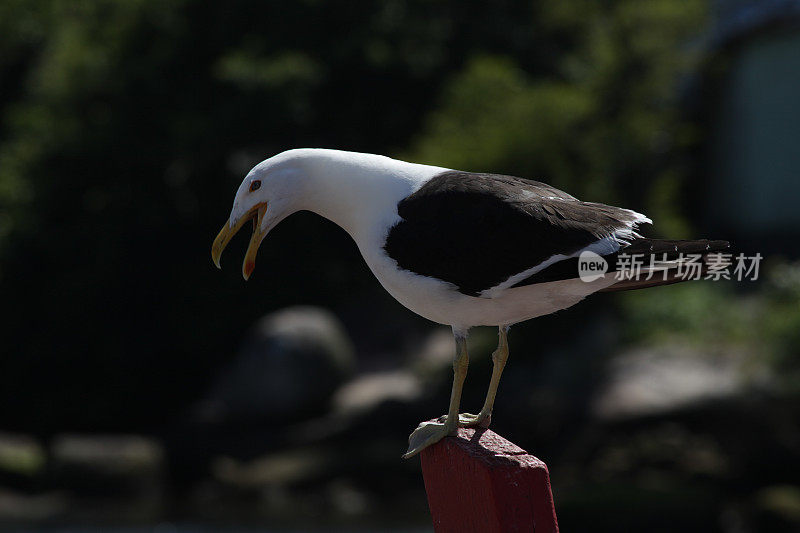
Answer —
477 230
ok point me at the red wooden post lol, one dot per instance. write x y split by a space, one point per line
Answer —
479 481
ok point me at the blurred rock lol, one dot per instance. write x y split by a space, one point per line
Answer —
433 361
368 391
347 499
289 366
779 506
26 508
436 352
280 468
654 380
108 465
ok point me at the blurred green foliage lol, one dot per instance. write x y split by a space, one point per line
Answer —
125 127
24 457
601 121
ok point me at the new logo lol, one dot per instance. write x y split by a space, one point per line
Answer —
591 266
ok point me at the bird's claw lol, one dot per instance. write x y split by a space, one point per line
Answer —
466 420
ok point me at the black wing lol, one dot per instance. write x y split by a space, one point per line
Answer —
477 230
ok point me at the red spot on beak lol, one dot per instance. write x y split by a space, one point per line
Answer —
249 266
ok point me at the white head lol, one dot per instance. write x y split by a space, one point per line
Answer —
355 190
270 192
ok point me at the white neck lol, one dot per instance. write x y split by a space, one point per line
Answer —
357 191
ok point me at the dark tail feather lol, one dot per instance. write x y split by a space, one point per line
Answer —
673 258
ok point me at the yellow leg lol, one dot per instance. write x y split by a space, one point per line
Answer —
499 358
429 433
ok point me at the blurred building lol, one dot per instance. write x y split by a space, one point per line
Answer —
754 111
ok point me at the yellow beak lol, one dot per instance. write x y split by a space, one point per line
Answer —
256 214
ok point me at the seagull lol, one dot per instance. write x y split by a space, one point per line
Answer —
462 249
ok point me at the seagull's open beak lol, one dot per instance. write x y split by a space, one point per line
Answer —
256 214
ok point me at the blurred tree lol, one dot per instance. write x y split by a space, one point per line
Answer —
601 121
125 127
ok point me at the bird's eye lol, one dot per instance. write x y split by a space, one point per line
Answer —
255 185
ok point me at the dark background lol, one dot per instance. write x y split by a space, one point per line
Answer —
130 368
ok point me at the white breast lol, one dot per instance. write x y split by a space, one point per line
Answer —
441 302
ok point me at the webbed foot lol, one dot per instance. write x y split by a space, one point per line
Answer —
466 420
428 433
